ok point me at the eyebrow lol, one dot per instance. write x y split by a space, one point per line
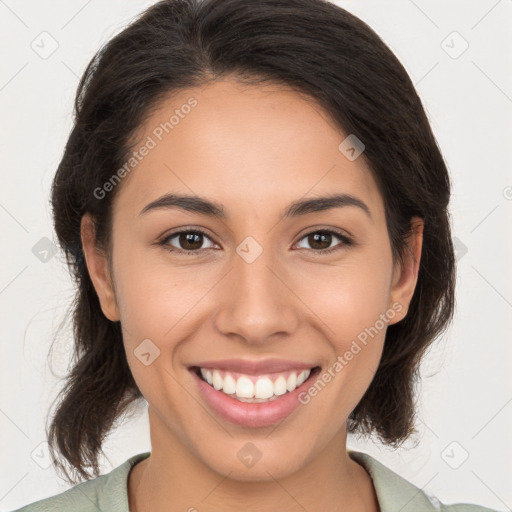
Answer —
201 205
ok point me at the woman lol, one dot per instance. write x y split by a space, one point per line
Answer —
255 210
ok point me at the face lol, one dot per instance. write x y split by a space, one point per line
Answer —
254 297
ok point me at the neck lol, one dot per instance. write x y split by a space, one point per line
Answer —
174 478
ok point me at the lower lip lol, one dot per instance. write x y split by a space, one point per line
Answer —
251 415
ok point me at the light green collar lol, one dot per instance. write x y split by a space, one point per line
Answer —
394 492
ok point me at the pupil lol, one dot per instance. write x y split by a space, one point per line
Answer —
187 240
316 238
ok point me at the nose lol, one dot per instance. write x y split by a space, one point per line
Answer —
256 302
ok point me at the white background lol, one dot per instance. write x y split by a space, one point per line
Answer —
466 391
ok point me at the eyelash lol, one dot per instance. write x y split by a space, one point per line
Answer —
344 238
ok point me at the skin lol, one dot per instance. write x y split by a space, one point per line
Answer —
254 149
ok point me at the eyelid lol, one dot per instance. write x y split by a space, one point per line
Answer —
330 229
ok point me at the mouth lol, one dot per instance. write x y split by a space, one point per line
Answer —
249 388
252 398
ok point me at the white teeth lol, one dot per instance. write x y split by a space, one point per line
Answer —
217 380
302 377
244 388
229 386
263 388
280 386
291 383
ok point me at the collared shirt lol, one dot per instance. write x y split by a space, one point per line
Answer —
109 492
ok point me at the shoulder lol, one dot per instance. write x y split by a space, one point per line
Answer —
107 492
396 493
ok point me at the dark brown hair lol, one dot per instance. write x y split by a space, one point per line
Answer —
316 48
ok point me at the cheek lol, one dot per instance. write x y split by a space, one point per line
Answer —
348 297
153 296
351 305
351 302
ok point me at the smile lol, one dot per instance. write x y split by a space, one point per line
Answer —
249 394
251 388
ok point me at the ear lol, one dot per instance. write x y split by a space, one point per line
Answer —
97 265
405 276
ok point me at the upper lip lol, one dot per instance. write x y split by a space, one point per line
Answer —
252 367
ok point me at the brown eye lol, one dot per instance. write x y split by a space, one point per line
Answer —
321 240
189 241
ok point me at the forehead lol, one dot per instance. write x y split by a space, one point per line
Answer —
243 145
